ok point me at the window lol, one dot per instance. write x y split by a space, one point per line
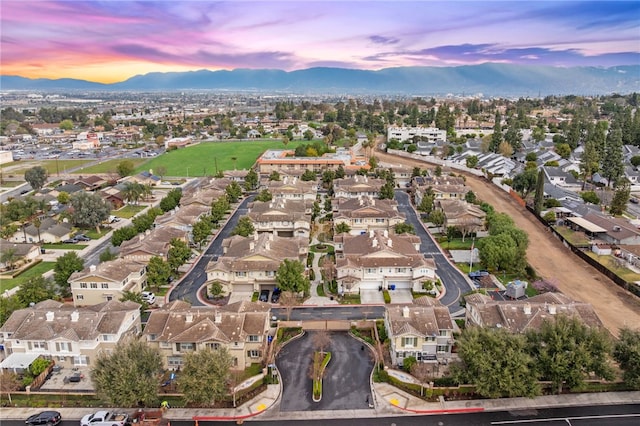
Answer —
182 347
444 333
165 345
37 345
94 285
213 346
442 348
108 338
400 270
253 354
104 285
83 285
79 297
241 274
63 346
379 220
370 270
409 342
254 338
174 361
81 360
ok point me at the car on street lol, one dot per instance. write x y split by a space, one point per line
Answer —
264 296
275 296
47 418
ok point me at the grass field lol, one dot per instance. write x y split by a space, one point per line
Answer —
201 160
63 246
36 271
53 167
109 166
128 211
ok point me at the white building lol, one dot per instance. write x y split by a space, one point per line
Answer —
402 134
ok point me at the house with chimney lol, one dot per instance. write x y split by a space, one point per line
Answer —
364 214
154 242
357 186
71 336
292 188
249 264
107 281
466 217
182 217
177 329
423 330
381 259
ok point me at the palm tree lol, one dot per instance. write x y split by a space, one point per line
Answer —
132 192
146 191
8 257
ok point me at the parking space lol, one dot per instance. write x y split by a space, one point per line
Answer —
371 297
239 296
346 381
402 295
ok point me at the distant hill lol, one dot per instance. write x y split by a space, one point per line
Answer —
489 79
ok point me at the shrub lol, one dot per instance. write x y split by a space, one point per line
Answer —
387 296
408 363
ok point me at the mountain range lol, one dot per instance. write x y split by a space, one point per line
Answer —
490 79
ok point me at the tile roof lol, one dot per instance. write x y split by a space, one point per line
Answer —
418 320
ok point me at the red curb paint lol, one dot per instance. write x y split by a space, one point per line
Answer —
444 411
225 418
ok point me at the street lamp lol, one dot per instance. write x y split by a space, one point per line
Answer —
187 172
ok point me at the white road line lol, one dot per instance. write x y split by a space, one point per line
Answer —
566 419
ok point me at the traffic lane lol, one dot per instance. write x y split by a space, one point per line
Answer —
352 312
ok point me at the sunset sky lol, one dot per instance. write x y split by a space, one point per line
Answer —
112 40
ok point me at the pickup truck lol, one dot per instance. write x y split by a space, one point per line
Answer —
105 418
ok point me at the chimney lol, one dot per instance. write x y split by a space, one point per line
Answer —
386 233
252 246
50 315
371 233
75 315
374 243
217 318
405 312
295 179
92 268
552 309
188 317
267 245
390 242
360 200
527 309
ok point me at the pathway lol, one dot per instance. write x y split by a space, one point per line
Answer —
315 299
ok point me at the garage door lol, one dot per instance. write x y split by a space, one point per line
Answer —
369 285
400 284
243 288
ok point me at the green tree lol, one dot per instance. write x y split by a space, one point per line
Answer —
66 124
290 276
567 351
63 197
244 227
590 197
274 176
158 272
538 134
201 231
8 305
549 217
496 137
205 366
36 290
563 150
132 296
125 168
626 352
437 171
386 191
620 198
404 228
472 161
178 253
161 171
497 363
89 210
426 203
538 200
635 160
613 160
8 257
437 218
308 176
66 265
264 196
342 227
132 192
233 191
36 177
128 375
215 289
171 200
219 208
470 197
107 255
525 182
251 180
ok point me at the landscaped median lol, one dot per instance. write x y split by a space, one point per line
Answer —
320 361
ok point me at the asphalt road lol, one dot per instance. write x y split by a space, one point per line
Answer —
346 382
192 281
333 312
599 415
454 281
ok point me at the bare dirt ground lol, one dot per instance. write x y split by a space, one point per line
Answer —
616 307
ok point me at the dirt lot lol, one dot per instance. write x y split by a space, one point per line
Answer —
550 259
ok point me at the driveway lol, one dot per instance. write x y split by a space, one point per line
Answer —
402 295
371 297
346 381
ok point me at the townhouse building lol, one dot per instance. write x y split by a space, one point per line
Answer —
357 186
71 336
107 281
364 214
284 217
177 329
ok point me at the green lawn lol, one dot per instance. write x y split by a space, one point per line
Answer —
128 211
457 244
575 238
63 246
91 233
36 271
201 160
614 265
53 166
109 166
11 183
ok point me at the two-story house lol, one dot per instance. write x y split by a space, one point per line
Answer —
182 217
379 259
71 336
364 214
285 218
466 217
250 263
178 328
154 242
107 281
292 188
423 331
518 316
442 187
357 186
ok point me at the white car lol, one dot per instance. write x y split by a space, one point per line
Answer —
149 297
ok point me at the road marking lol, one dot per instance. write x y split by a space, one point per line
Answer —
566 419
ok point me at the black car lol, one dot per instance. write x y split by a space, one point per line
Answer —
48 418
275 296
81 237
264 296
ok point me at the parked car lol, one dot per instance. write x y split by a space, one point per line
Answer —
264 296
105 418
275 296
81 237
70 241
478 274
149 297
48 418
